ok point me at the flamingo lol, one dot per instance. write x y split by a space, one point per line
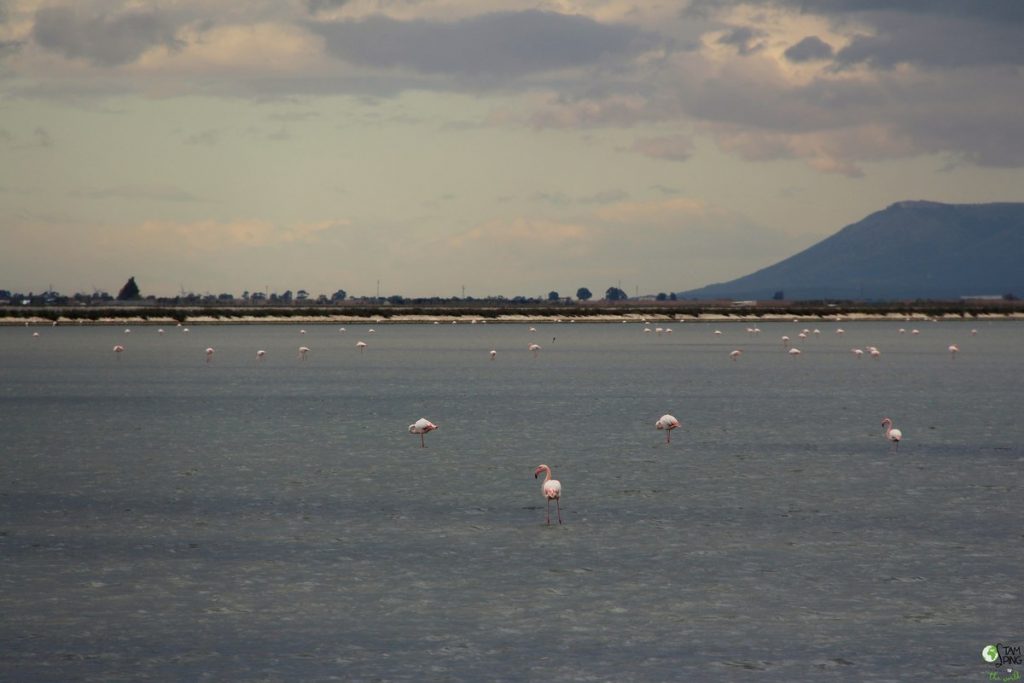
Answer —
493 353
785 340
859 353
893 435
735 354
718 332
303 350
794 352
974 332
840 330
160 331
118 349
360 345
552 490
535 348
668 423
260 354
421 427
953 349
209 354
875 353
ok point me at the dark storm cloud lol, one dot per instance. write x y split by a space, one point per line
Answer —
936 42
743 39
929 33
103 39
809 49
317 6
504 45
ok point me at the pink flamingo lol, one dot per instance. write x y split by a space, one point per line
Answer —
209 354
261 354
668 423
859 353
953 350
893 435
493 354
360 345
118 349
535 348
552 490
794 352
421 427
303 350
735 354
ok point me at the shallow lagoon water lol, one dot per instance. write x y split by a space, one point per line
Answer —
162 518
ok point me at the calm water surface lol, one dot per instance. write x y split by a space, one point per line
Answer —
166 519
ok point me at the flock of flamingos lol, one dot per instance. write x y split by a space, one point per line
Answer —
551 489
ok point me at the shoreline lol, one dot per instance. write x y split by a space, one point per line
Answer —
502 319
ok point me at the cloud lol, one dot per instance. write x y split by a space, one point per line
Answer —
503 45
317 6
103 39
160 193
212 236
671 148
811 48
743 39
206 138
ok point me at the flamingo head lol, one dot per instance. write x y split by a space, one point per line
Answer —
541 468
886 423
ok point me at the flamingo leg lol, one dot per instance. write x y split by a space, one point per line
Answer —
423 443
549 512
558 507
668 436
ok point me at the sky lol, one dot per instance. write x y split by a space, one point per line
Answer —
450 147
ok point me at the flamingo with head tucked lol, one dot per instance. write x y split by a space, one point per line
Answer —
735 354
668 423
893 435
953 350
209 354
552 490
422 426
303 350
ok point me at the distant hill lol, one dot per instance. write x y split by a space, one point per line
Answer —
910 250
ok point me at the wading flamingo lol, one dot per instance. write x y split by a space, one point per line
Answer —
794 352
493 354
953 350
735 354
893 435
118 349
260 354
535 348
421 427
209 354
668 423
875 353
552 490
859 353
360 345
303 350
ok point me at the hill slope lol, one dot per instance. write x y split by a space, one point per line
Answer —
912 249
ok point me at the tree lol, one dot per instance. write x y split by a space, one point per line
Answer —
672 296
553 296
340 295
130 291
662 296
615 294
583 294
779 295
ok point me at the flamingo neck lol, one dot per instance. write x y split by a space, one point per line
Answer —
547 474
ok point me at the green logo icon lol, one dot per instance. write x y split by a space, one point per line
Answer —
990 653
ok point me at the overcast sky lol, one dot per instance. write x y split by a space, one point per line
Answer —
505 147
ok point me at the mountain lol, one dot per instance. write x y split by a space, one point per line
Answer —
910 250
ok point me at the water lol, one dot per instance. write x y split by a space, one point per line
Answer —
162 518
